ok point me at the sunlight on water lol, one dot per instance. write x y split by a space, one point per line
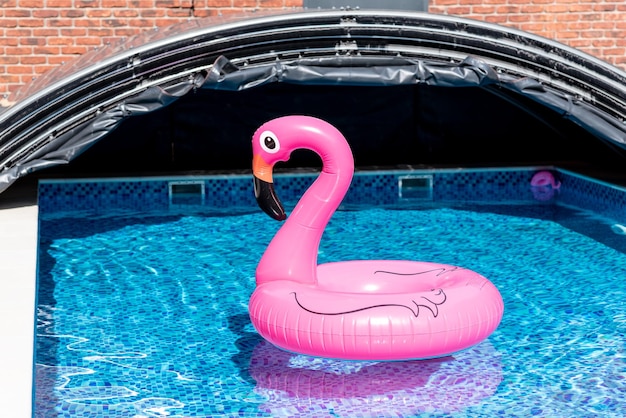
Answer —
146 316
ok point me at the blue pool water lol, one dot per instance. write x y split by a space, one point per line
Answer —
145 315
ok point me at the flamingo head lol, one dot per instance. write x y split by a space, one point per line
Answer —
275 140
272 142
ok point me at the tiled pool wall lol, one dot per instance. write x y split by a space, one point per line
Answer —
374 187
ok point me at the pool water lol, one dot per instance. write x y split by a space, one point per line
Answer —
145 315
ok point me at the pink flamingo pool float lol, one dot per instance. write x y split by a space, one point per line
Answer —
543 185
361 309
545 179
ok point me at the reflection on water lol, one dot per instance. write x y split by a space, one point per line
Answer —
293 382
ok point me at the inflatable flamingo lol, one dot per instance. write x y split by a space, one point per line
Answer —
545 179
360 310
543 185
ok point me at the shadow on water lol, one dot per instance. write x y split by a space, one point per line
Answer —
46 346
571 218
245 344
82 226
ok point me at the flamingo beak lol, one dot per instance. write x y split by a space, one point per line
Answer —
264 189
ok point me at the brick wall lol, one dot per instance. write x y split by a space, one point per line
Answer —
597 27
38 35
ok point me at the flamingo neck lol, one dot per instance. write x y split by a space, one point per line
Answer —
292 253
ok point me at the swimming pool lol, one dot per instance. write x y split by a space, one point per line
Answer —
144 284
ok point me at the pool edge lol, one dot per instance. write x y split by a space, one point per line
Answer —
18 271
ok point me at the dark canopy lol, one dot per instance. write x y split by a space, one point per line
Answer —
405 88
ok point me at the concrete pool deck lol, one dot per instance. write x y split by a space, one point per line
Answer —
18 270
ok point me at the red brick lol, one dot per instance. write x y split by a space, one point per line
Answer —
566 35
591 16
59 23
606 25
40 69
59 3
187 4
99 32
19 69
8 41
8 23
439 2
74 50
591 34
536 28
45 13
17 13
143 23
98 13
57 60
73 32
577 26
141 4
519 18
32 41
487 10
615 51
578 43
531 8
113 3
228 3
8 79
18 33
127 13
72 13
180 13
508 10
31 4
8 59
87 23
114 23
496 19
567 17
87 3
32 60
46 50
163 22
204 13
604 7
244 3
125 32
584 8
63 40
603 43
152 13
88 40
459 10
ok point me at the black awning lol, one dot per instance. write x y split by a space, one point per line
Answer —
570 94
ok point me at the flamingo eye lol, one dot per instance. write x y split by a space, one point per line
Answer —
269 142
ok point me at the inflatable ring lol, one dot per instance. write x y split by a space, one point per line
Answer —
362 309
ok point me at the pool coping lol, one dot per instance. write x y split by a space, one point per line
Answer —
18 271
